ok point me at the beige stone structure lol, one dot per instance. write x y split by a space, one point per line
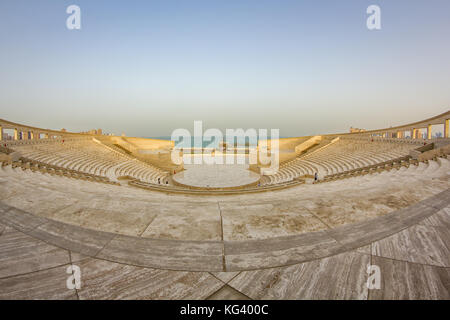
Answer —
109 206
414 128
356 130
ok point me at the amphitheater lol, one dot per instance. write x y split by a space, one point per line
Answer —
140 227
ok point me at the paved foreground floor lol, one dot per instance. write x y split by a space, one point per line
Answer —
288 212
410 247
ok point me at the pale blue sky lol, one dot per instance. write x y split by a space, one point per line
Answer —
148 67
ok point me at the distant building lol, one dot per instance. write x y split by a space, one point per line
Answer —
93 131
6 136
355 130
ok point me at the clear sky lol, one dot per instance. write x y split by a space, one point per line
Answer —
148 67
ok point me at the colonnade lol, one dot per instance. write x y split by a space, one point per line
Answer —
417 130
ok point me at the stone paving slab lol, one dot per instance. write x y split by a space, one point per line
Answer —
19 219
165 254
440 219
366 249
402 280
415 214
73 238
6 189
225 276
49 284
420 244
439 201
363 233
20 253
246 221
339 277
275 252
42 203
76 257
4 207
186 221
227 293
248 255
216 256
126 222
108 280
347 210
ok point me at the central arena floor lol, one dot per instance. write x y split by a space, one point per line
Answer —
216 176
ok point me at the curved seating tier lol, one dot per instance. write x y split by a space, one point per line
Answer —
88 159
344 155
42 167
92 158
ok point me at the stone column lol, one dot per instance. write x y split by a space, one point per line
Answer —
16 134
399 134
418 133
446 127
429 132
1 133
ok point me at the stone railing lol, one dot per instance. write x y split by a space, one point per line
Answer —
421 155
433 154
12 143
42 167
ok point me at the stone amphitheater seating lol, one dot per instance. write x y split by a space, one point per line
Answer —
88 158
42 167
74 199
375 203
343 156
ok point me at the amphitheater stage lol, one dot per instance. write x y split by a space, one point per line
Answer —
216 176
